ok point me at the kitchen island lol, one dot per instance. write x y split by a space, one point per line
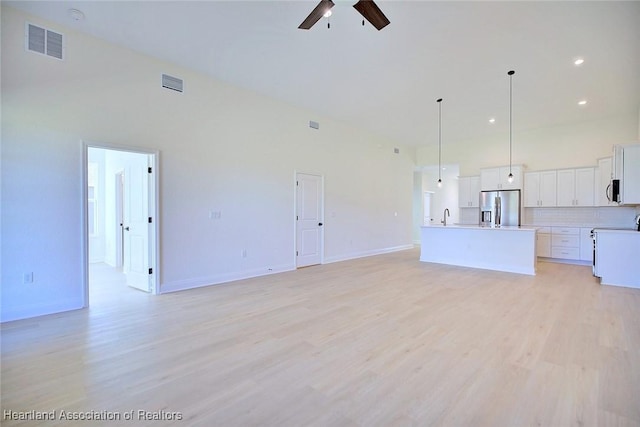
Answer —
616 260
511 249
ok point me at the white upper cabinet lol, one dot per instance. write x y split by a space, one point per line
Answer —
468 191
576 187
540 189
497 178
631 175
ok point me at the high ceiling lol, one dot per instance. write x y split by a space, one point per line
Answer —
387 81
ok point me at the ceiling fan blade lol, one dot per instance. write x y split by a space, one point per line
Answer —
372 13
323 7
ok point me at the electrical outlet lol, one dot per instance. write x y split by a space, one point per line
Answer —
215 214
27 278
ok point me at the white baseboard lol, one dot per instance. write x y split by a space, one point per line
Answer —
363 254
182 285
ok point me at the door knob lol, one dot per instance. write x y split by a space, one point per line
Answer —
319 224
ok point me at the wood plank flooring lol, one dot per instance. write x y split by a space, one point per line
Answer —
378 341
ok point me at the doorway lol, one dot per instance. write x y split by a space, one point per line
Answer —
309 241
121 222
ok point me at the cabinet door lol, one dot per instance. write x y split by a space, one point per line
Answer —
631 175
532 189
584 190
566 184
490 179
543 245
463 192
474 191
548 182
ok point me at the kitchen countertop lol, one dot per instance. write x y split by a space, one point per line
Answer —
617 230
479 227
511 249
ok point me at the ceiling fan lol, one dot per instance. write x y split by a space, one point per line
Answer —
367 8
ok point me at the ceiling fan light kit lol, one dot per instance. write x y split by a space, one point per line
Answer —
367 8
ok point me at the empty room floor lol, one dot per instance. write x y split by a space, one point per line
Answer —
378 341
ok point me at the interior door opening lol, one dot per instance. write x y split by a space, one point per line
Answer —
121 217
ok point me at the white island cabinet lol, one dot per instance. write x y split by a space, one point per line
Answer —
616 260
511 249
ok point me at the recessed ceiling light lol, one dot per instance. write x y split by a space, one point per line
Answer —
492 120
76 14
583 102
579 61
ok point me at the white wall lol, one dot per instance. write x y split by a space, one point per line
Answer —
221 148
562 146
97 242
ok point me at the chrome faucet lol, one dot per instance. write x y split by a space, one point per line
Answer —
445 215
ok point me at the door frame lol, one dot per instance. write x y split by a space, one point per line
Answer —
119 177
154 203
295 212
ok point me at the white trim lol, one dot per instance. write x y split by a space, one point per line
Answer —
154 208
181 285
295 212
369 253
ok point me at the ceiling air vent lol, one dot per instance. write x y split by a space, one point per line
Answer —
172 83
44 41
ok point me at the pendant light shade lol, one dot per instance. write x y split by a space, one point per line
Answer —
439 101
510 74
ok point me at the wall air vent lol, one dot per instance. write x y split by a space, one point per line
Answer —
172 83
44 41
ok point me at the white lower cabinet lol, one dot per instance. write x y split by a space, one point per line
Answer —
565 243
543 242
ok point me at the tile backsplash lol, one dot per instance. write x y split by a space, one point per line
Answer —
622 217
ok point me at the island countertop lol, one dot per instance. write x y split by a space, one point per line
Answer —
482 227
511 249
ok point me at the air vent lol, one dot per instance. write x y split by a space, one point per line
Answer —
314 125
172 83
44 41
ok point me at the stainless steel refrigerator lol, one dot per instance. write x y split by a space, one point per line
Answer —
500 208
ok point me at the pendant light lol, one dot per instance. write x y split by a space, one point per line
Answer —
439 101
510 74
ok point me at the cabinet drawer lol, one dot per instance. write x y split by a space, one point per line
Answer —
568 241
565 253
565 230
544 230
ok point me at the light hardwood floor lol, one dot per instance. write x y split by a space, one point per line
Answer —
379 341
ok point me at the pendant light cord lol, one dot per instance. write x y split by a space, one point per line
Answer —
439 101
511 73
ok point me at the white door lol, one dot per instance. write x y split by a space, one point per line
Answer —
309 224
136 222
